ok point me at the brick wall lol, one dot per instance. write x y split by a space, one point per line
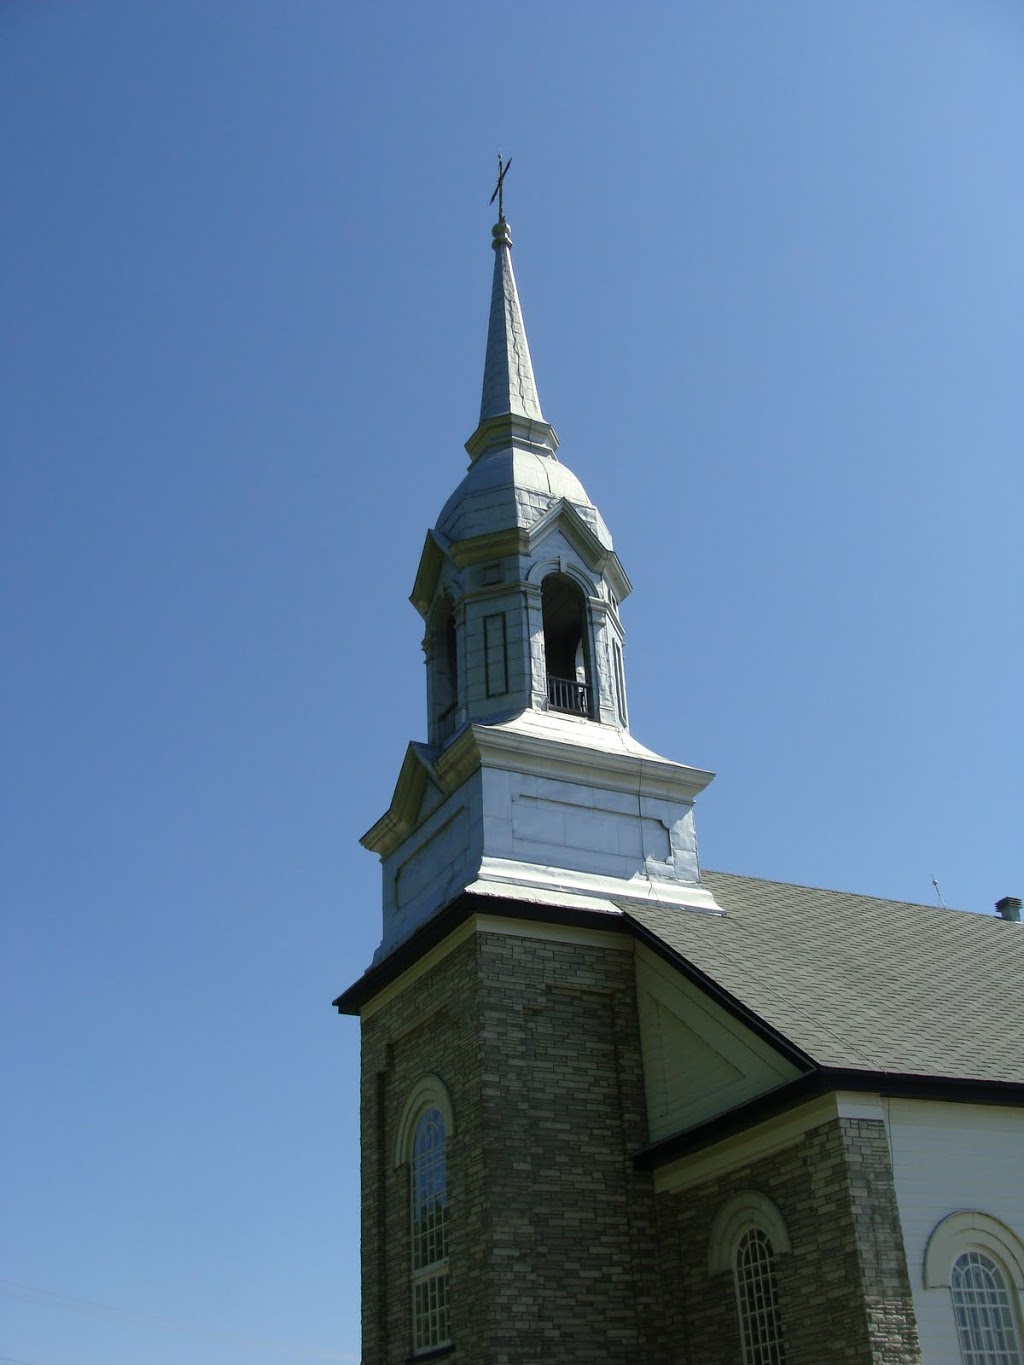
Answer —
556 1243
553 1246
573 1241
844 1294
430 1027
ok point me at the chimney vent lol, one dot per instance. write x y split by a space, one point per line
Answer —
1009 908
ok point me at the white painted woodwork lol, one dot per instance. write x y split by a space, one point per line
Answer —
699 1060
553 806
948 1157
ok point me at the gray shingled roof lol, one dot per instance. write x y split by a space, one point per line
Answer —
862 983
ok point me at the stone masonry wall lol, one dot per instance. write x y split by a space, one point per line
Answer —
552 1232
892 1325
844 1294
572 1239
431 1027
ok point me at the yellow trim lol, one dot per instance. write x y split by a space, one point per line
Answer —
555 933
767 1138
494 924
419 968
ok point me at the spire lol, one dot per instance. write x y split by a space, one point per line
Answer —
509 386
509 406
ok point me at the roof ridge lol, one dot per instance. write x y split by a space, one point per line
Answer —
837 891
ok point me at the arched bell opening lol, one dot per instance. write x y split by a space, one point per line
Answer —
444 654
566 646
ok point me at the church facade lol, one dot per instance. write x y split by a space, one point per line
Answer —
616 1107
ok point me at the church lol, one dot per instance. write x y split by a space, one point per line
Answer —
614 1106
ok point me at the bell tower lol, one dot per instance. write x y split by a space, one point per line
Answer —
529 781
502 1077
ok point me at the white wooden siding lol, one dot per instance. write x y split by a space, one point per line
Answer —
948 1157
698 1059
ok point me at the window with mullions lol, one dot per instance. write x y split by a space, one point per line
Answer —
984 1312
757 1300
430 1233
980 1260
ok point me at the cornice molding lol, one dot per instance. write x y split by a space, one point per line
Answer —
512 429
550 756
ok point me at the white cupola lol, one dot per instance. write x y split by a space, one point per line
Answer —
529 783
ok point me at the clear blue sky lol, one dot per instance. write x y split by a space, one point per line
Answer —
770 261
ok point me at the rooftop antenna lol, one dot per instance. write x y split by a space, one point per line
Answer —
499 189
939 894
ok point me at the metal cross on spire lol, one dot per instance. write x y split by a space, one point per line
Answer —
499 189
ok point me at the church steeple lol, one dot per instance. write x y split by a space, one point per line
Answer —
529 782
519 543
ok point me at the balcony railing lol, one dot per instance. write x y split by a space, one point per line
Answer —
566 694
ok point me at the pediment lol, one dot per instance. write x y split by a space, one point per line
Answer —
435 552
417 792
517 540
564 517
677 1041
699 1060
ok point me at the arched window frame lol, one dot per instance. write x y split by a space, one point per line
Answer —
749 1219
951 1241
430 1302
561 692
429 1092
748 1208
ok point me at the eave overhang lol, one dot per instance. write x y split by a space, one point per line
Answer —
508 747
383 973
378 977
825 1081
815 1081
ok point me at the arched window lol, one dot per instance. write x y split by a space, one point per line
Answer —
566 645
426 1124
429 1191
748 1233
757 1300
984 1310
981 1261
